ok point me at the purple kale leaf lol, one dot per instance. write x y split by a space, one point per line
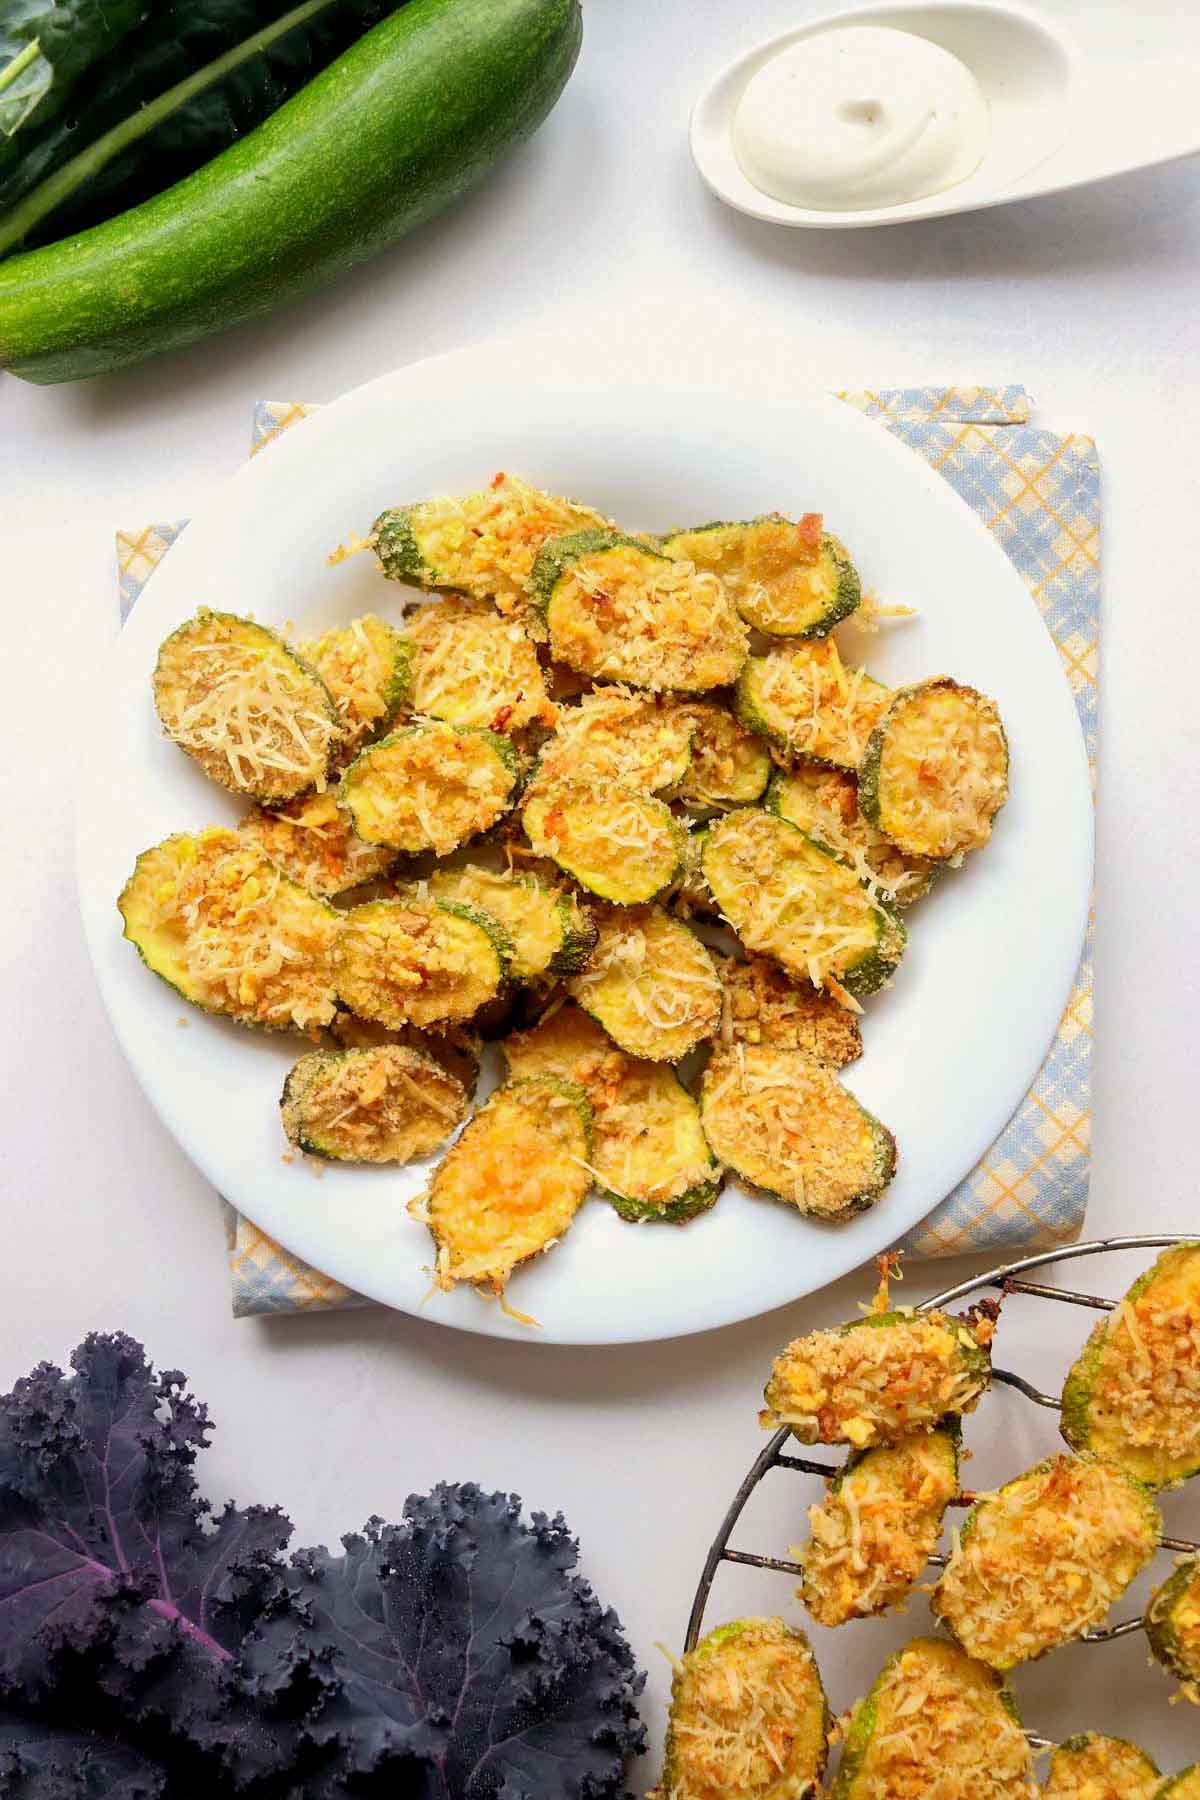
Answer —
151 1649
473 1657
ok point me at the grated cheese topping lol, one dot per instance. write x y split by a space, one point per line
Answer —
1041 1561
410 963
943 770
381 1105
1173 1619
784 896
637 740
806 700
428 787
313 842
531 914
730 765
624 614
474 667
650 982
255 718
764 1005
1091 1767
747 1717
788 1126
774 568
937 1727
874 1532
824 803
615 841
878 1379
364 666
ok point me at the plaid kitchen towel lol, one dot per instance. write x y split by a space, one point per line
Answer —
1040 493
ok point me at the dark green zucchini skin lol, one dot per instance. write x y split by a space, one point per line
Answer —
406 120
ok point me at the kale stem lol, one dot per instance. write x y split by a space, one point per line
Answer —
20 61
56 188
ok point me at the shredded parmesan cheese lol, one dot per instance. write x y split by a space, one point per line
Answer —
650 982
474 667
805 699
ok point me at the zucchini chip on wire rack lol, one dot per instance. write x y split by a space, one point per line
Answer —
252 713
1173 1627
1091 1767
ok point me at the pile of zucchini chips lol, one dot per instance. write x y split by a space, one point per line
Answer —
1033 1566
503 816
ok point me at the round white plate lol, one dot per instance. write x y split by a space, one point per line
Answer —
950 1048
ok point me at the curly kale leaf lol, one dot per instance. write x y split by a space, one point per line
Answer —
38 1762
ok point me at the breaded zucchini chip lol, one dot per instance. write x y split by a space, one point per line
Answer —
314 843
473 667
429 786
549 928
512 1183
691 897
621 846
414 962
730 766
877 1527
617 609
256 717
367 667
457 1048
386 1105
1173 1626
935 1726
787 579
1040 1562
229 932
650 982
649 1154
876 1379
824 803
748 1717
788 1126
1184 1786
640 741
788 896
764 1005
935 771
1133 1396
481 544
805 701
1092 1767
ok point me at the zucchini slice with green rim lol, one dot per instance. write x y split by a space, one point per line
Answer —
457 1048
412 962
640 741
551 932
229 932
1184 1786
651 983
805 701
730 766
429 786
480 544
1133 1395
471 666
253 714
790 897
789 1127
935 1721
510 1186
1092 1767
367 667
788 579
1173 1626
824 803
765 1005
935 771
617 609
748 1719
386 1105
875 1379
621 846
313 842
878 1525
1042 1560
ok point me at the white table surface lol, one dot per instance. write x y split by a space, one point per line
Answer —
1091 301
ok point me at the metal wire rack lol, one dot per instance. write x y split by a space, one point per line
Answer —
1009 1278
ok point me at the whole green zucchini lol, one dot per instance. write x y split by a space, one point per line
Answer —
402 123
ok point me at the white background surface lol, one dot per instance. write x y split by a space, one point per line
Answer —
1091 300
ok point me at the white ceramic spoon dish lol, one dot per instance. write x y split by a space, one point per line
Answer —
1060 117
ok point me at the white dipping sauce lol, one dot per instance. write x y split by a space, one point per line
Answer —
860 117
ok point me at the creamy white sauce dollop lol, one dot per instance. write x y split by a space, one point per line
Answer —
860 117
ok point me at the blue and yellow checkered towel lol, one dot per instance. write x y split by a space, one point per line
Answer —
1040 494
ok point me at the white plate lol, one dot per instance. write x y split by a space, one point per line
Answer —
951 1047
